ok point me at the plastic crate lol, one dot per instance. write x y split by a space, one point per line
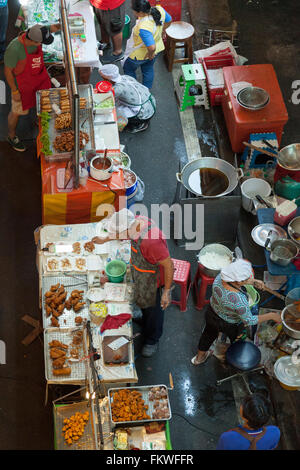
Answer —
217 61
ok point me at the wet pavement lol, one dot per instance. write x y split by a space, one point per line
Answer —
201 410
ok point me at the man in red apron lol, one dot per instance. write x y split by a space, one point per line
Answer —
152 271
26 73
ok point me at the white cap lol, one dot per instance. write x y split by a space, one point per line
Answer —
120 221
111 72
238 271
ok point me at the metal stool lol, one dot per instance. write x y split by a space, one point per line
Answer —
182 277
205 281
244 356
179 35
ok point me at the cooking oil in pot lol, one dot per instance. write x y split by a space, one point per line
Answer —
208 182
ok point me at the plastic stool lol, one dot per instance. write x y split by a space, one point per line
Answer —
205 281
182 277
179 35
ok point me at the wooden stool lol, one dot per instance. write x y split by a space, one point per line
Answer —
179 35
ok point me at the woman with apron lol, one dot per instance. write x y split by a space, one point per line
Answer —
146 40
229 311
135 104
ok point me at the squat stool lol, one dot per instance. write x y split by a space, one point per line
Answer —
205 281
182 277
179 35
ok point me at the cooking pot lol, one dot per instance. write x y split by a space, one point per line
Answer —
283 251
190 175
101 174
213 248
289 330
294 230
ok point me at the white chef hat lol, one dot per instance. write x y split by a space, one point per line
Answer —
238 271
110 71
120 221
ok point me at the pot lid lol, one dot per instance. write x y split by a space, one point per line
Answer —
261 232
287 372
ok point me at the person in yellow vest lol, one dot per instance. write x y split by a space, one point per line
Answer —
146 40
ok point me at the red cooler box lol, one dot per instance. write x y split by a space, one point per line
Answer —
173 7
239 121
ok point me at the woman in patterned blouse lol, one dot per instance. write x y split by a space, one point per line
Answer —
229 310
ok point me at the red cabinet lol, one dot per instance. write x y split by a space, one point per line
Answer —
173 7
241 122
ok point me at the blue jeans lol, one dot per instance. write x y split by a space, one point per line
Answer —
131 65
3 28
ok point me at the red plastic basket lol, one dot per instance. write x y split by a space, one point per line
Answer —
216 61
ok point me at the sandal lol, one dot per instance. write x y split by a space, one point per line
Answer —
196 362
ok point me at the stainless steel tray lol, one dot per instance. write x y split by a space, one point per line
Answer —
78 369
86 122
67 319
145 394
260 233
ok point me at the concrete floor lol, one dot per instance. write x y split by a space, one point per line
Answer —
155 155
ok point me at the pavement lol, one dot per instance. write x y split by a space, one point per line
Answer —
201 410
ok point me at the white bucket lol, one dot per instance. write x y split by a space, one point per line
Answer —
250 188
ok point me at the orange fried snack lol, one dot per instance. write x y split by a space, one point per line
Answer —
74 427
128 405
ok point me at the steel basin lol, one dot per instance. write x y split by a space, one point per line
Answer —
289 251
288 329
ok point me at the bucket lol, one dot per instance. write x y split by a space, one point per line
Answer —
131 187
130 198
115 270
250 188
126 29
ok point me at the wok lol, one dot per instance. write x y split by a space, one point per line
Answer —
190 175
243 355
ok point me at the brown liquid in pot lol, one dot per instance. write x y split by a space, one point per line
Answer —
212 181
101 163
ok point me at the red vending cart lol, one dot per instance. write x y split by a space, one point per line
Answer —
241 122
173 7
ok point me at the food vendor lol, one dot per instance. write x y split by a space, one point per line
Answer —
229 311
26 73
254 434
152 270
134 102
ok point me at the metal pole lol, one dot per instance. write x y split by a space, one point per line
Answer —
72 85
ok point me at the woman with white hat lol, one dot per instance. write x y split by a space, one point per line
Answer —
135 104
229 311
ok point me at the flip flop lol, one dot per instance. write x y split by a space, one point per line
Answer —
197 363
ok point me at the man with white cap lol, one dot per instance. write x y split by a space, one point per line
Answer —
152 271
134 102
229 311
26 73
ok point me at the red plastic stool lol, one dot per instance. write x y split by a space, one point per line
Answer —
182 277
205 281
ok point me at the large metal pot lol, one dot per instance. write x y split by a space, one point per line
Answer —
213 248
287 328
294 230
283 251
190 175
99 173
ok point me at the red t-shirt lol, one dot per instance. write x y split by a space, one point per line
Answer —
154 248
106 4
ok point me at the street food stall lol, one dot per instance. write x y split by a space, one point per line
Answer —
86 297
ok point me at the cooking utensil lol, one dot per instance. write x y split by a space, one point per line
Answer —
253 98
68 173
213 248
287 373
262 201
190 174
283 251
294 230
289 330
243 355
288 157
261 232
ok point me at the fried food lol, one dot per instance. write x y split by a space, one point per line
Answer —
128 405
65 141
56 353
54 322
57 344
78 306
74 427
76 248
48 310
62 371
59 363
78 320
80 263
64 121
89 246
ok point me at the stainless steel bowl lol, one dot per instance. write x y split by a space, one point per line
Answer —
283 251
294 229
289 157
288 329
253 98
213 248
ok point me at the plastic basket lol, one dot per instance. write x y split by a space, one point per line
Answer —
213 63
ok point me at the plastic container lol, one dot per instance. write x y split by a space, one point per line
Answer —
285 219
250 188
126 29
104 87
215 62
131 189
83 176
116 270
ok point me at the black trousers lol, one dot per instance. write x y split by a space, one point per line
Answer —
215 325
153 320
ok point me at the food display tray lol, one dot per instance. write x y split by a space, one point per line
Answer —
78 369
86 123
145 392
67 319
89 439
72 261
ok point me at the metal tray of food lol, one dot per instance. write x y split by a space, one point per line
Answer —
67 318
86 123
150 403
116 357
74 355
